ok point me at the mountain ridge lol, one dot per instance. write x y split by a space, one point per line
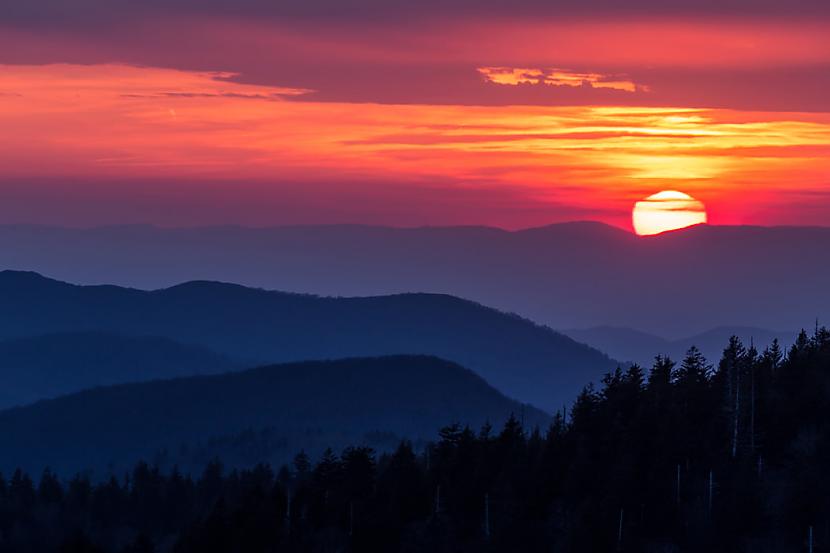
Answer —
521 358
569 275
309 405
49 365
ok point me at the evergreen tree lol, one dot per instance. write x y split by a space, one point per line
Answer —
643 465
302 464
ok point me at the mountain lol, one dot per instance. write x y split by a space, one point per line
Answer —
40 367
640 347
627 343
573 275
525 361
308 405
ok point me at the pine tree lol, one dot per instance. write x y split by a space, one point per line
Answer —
327 471
774 355
661 372
302 464
801 347
693 405
694 371
584 409
49 489
512 434
730 373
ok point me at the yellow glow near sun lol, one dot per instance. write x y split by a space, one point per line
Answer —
667 210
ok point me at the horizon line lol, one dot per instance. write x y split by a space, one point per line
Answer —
239 226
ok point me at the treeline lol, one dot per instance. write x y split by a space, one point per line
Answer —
686 457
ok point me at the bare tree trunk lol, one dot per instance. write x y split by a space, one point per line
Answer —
736 412
810 540
288 511
678 484
711 489
620 532
487 516
752 410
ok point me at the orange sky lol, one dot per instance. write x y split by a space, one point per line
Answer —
137 125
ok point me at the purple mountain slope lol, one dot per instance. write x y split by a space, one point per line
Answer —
574 275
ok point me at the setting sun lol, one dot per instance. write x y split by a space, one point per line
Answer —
667 210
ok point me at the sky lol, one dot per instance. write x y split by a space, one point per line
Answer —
511 114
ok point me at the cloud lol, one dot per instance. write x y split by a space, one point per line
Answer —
111 122
110 81
93 13
275 94
749 64
515 76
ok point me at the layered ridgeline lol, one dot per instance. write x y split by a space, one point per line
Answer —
258 415
574 275
523 360
55 364
640 347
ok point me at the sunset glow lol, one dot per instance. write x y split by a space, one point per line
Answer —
104 121
411 118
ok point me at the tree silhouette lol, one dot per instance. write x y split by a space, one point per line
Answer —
645 463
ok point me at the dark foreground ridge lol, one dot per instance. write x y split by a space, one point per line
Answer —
263 414
690 458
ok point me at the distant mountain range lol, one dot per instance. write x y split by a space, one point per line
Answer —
41 367
574 275
263 414
640 347
525 361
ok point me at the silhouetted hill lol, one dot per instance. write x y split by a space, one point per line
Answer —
574 275
525 361
40 367
308 405
640 347
630 344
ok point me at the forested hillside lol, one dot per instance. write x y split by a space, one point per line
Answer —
523 360
262 414
689 457
51 365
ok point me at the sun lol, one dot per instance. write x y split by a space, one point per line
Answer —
667 210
